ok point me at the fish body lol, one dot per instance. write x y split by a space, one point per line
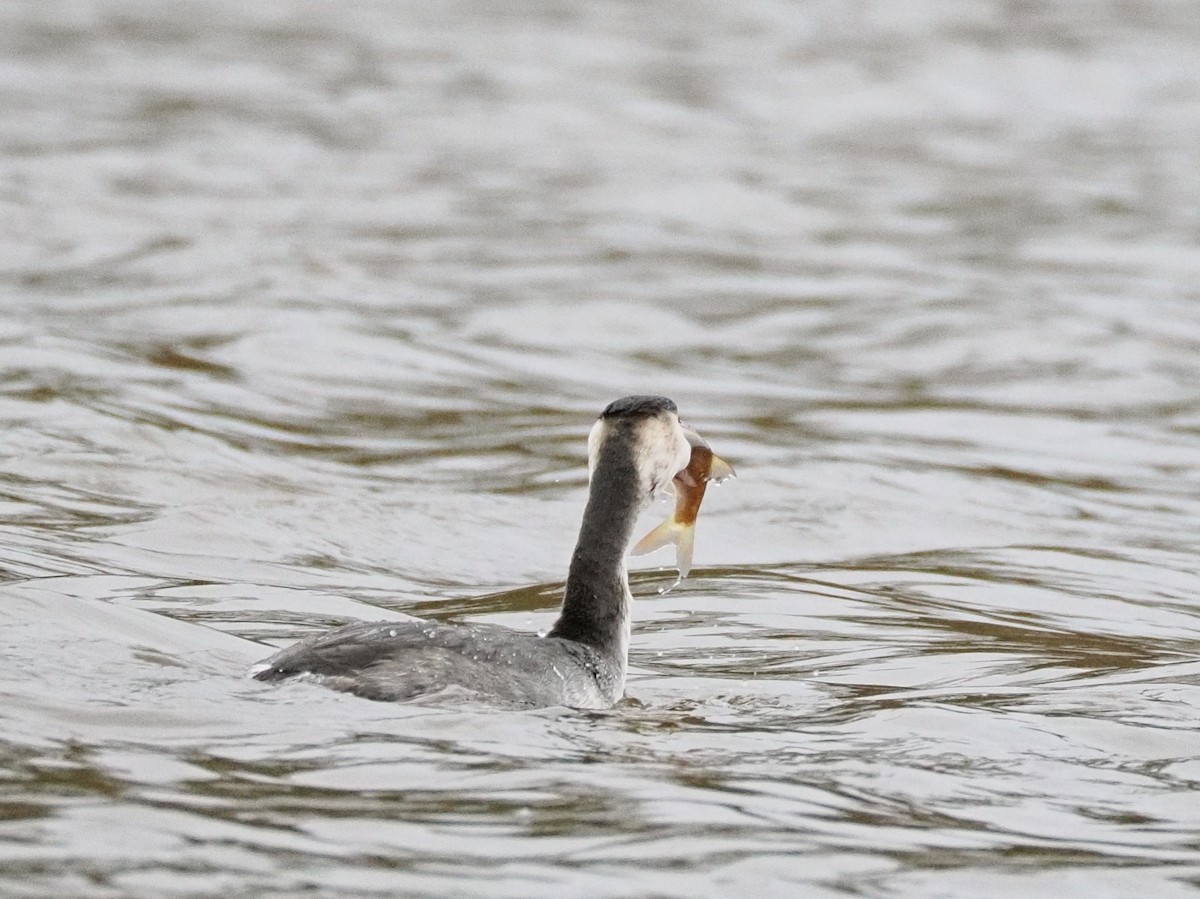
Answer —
690 484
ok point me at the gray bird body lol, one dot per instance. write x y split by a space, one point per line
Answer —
635 448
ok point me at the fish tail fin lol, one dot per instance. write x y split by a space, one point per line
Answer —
684 541
665 533
719 470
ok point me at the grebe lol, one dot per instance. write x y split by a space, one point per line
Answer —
635 448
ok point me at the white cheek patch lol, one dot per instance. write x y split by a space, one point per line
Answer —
595 441
662 450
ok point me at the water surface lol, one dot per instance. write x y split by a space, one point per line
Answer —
305 314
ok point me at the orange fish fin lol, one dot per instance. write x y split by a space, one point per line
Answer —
659 537
719 470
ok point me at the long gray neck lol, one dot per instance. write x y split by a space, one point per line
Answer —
595 606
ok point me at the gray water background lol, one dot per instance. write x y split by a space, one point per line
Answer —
306 310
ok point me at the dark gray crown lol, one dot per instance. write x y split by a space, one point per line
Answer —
638 406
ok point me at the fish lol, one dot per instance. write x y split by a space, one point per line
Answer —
680 526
